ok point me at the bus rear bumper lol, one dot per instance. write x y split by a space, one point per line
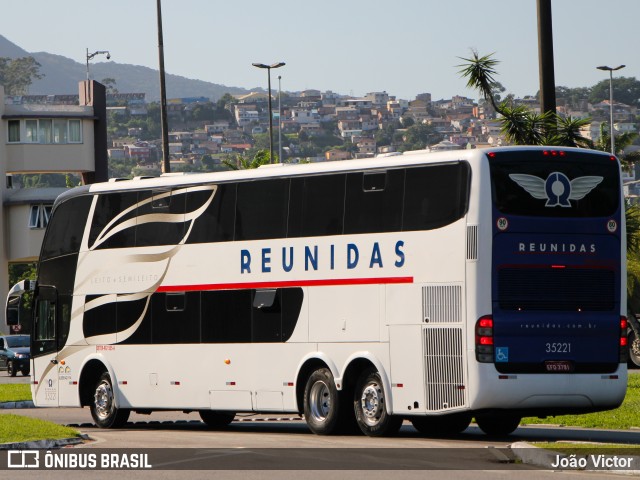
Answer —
548 394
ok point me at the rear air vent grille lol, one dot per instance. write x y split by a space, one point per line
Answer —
444 369
442 303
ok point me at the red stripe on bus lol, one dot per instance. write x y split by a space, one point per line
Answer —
284 284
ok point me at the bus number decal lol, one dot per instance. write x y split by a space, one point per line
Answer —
557 347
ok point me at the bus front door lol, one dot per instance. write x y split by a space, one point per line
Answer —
44 347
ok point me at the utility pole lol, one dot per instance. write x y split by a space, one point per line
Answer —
166 164
545 56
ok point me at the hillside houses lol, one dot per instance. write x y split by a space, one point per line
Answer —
326 125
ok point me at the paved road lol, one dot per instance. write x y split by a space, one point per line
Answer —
252 437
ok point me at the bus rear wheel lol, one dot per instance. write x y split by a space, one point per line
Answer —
103 405
634 350
371 407
445 425
498 425
321 403
214 419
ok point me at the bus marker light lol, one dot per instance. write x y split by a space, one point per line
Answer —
609 377
175 383
231 384
122 382
398 385
227 361
287 384
460 387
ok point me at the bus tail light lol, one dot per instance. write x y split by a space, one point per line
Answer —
484 339
624 345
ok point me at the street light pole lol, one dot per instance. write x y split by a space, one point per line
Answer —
611 70
279 120
269 67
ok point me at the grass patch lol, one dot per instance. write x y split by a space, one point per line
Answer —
14 428
17 392
622 418
572 448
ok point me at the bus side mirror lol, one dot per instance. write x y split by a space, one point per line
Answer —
13 310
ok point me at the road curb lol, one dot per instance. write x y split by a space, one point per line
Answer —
541 457
14 405
45 444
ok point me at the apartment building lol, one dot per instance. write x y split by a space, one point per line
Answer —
44 138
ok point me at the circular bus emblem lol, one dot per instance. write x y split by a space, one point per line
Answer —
612 226
502 224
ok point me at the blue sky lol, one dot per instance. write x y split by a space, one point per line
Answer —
404 47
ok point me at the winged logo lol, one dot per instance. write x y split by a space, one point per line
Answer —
557 189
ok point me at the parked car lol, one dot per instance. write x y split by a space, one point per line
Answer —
15 354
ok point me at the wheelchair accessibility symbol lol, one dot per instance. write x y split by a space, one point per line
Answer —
502 354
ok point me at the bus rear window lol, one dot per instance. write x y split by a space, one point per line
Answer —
575 185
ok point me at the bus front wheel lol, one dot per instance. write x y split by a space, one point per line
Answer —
321 403
498 425
370 406
103 405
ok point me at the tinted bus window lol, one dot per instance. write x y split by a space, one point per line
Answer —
317 206
435 196
66 227
160 219
216 224
261 209
120 233
374 202
574 185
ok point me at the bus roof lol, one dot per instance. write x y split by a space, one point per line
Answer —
417 157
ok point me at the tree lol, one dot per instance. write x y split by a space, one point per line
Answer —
519 125
17 74
110 84
240 162
625 90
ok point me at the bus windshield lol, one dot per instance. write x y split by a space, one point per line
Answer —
572 185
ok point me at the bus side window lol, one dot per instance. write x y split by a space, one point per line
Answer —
316 206
216 224
374 202
161 220
109 213
261 209
435 196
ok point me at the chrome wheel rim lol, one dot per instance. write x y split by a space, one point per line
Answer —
372 403
319 401
103 400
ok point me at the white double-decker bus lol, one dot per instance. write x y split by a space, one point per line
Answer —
429 287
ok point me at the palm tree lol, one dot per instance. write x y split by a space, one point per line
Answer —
521 126
240 162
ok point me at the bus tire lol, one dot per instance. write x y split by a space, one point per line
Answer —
444 425
370 407
103 406
214 419
498 425
634 350
321 403
11 369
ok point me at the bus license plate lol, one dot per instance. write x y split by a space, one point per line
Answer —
558 366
